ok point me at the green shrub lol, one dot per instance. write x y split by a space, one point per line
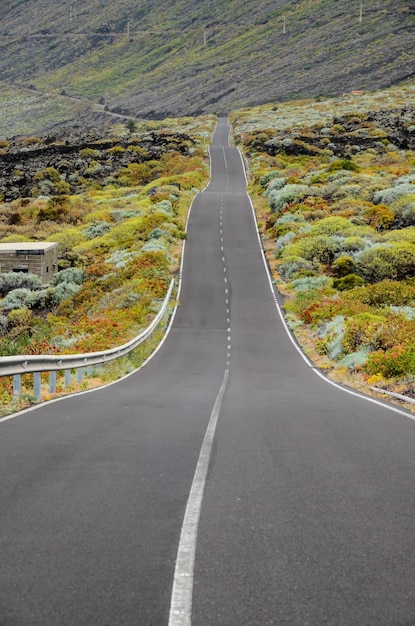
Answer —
343 266
343 164
404 211
90 153
350 281
56 209
386 293
361 331
381 262
321 248
333 225
398 361
49 173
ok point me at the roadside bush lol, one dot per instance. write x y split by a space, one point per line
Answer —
350 281
355 360
96 229
63 291
293 265
361 331
398 361
56 209
279 199
283 241
17 299
275 184
69 275
166 207
306 283
404 211
386 293
321 248
343 266
17 280
383 262
266 178
391 194
43 299
343 164
332 225
331 335
380 216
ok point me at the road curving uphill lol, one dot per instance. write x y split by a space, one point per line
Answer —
305 488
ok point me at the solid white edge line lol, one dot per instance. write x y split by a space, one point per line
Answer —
181 599
290 335
42 405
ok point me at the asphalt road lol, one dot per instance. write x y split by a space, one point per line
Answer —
308 512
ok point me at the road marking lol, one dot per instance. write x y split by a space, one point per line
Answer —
181 598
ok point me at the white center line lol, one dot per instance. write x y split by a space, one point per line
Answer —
181 598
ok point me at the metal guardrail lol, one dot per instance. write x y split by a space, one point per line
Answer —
32 363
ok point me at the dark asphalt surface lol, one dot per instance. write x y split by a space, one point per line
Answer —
308 514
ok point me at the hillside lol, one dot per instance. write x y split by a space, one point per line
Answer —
153 60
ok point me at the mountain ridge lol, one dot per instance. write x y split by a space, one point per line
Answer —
156 60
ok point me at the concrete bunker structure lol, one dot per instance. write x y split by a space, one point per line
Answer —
31 257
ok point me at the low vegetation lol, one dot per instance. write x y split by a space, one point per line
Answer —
334 188
118 211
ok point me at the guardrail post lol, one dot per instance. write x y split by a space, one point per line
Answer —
17 385
67 378
37 385
52 382
79 373
89 370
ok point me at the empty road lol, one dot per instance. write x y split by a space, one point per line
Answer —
308 511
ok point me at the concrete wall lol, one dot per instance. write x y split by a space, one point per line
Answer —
44 263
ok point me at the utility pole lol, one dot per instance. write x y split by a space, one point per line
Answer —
70 13
361 12
128 29
283 26
204 37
